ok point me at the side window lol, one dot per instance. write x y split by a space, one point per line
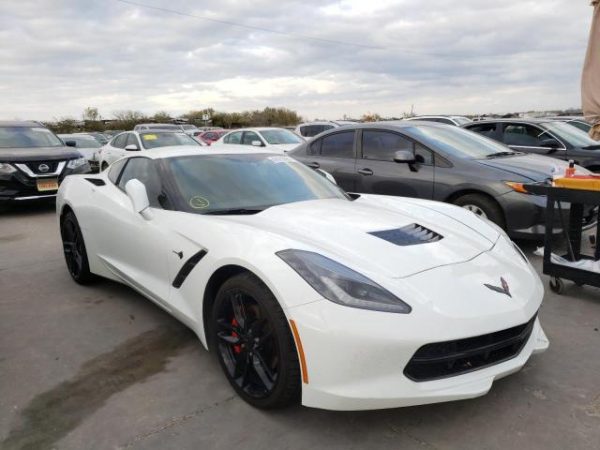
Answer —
446 121
381 145
424 156
250 136
314 148
119 141
523 135
115 170
486 129
144 170
338 145
132 140
233 138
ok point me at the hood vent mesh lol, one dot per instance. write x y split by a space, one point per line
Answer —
413 234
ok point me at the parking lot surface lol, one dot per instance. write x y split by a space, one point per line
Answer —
101 367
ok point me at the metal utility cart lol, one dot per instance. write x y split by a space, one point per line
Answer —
578 199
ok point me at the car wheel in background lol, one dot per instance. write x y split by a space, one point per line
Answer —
482 206
74 249
253 342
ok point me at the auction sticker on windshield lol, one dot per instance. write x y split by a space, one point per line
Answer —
198 202
149 137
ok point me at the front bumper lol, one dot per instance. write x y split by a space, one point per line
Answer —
356 359
526 216
19 186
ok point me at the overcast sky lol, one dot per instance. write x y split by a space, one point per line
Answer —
321 58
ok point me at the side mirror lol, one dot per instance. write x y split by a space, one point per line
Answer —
132 148
404 156
71 144
257 143
551 143
136 191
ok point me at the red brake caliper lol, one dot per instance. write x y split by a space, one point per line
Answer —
237 349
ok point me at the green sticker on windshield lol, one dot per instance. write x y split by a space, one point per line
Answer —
198 202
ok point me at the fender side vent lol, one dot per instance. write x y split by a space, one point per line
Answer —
187 268
96 181
413 234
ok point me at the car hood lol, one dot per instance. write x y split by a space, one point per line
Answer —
532 167
37 154
343 230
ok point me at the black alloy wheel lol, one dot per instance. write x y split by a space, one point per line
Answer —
74 249
254 344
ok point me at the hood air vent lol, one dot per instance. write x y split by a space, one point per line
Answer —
412 234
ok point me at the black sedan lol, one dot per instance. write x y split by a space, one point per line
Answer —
437 162
543 137
34 161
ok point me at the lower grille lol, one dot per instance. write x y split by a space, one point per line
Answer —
446 359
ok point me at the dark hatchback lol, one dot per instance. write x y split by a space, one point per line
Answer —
34 161
437 162
546 137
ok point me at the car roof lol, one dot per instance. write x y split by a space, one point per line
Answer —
21 123
191 150
532 121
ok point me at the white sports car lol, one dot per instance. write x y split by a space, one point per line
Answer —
304 292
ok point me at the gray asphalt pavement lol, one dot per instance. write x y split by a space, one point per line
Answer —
100 367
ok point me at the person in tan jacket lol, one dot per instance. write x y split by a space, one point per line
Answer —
590 85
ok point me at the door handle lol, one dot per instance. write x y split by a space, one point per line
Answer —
366 172
314 165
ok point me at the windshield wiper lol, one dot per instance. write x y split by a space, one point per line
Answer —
234 211
500 154
592 147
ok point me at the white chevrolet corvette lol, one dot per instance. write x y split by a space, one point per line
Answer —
304 292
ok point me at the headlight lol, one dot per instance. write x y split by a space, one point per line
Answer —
75 163
340 284
7 168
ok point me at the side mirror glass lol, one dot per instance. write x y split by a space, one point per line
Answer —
257 143
404 156
71 144
132 148
550 143
136 191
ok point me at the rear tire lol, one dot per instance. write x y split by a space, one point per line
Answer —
252 340
74 250
482 206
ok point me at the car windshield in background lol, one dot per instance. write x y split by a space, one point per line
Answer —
223 184
461 120
28 137
275 137
82 142
572 135
157 139
459 142
164 127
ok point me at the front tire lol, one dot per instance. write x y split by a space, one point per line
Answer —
482 206
254 344
74 249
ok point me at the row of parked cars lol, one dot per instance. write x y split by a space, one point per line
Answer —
480 166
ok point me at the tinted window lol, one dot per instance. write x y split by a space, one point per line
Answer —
381 145
423 155
144 170
313 130
250 136
207 183
524 135
338 145
487 129
115 170
233 138
27 137
120 140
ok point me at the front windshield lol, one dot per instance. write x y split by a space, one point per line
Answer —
275 137
164 127
570 134
81 142
458 142
208 184
164 139
28 137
